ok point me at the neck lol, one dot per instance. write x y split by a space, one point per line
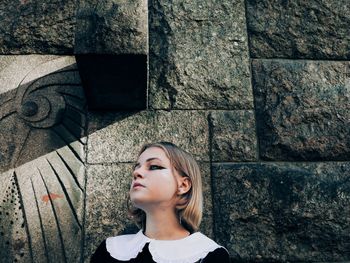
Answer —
164 225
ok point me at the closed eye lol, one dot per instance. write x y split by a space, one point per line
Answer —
155 167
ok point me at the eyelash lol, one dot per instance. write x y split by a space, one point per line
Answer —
155 166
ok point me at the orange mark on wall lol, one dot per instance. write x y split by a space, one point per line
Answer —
51 196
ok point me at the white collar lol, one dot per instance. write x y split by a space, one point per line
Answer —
186 250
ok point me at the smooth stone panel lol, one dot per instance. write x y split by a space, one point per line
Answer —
106 203
283 212
233 136
302 109
117 137
33 26
199 56
112 27
299 29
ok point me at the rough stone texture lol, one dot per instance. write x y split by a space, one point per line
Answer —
303 109
117 137
33 26
106 203
233 136
283 212
299 29
112 27
199 55
106 206
42 108
14 244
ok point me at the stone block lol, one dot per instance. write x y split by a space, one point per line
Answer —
112 27
33 26
198 56
106 203
117 137
283 212
233 136
299 29
302 109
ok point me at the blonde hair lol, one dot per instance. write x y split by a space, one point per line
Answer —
190 214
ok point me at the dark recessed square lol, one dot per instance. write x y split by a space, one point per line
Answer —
114 82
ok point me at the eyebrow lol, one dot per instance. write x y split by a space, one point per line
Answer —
148 160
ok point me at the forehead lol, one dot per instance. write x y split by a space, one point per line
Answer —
153 152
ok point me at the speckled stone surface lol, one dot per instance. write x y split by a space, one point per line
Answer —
285 212
299 29
302 109
199 55
117 137
233 136
33 26
112 27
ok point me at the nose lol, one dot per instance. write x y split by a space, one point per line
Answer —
137 173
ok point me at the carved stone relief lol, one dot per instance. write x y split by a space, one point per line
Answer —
42 155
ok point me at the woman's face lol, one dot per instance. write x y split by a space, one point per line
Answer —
154 184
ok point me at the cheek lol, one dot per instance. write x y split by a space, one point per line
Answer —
165 180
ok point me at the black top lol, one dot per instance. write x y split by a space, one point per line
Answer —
101 255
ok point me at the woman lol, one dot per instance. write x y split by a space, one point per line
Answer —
166 194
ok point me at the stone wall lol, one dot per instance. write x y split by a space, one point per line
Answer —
257 91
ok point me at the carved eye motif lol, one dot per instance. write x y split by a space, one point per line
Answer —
42 129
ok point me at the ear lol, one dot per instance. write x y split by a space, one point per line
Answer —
184 185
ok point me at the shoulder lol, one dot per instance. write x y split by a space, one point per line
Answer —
216 252
196 247
106 251
218 255
125 247
100 253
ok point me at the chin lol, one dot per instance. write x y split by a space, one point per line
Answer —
137 202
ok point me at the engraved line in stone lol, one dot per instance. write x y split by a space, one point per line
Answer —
76 145
24 215
70 147
5 99
22 147
45 76
82 128
55 215
75 115
40 220
6 115
73 132
66 193
75 103
77 96
75 122
7 108
70 170
27 93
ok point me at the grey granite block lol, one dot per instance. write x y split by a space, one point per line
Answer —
302 109
233 136
299 29
283 212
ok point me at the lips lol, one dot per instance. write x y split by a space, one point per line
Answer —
137 184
